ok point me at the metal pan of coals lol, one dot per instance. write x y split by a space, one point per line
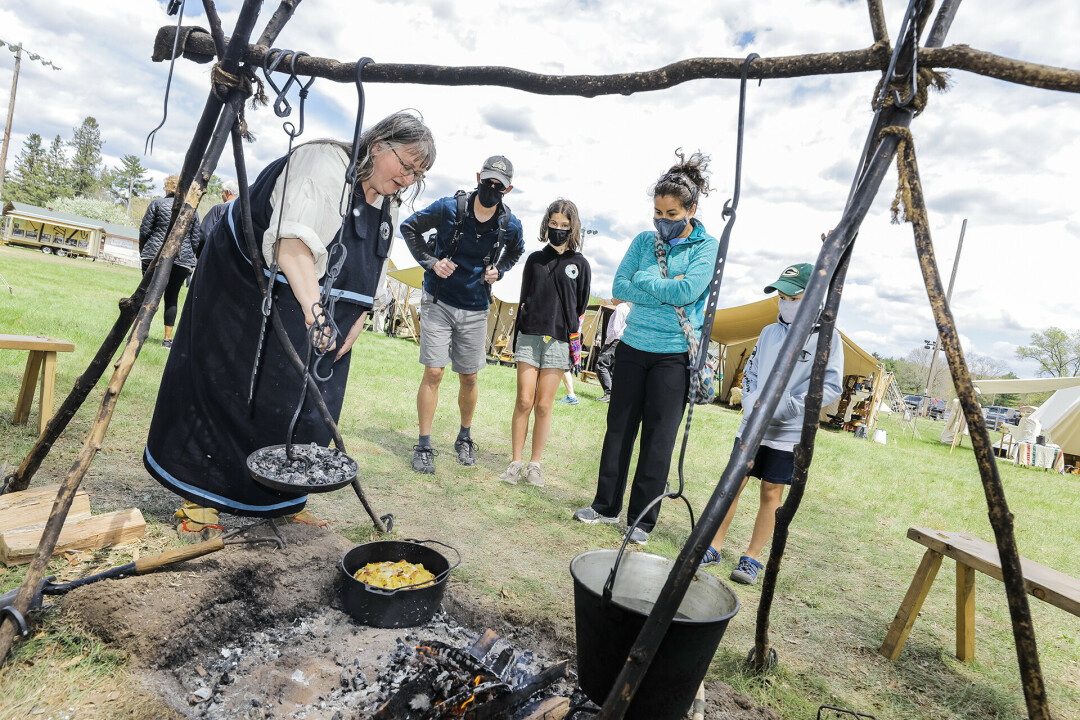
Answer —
313 469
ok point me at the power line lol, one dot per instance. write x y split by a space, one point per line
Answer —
18 50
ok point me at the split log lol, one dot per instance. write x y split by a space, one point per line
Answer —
553 708
91 533
199 46
32 507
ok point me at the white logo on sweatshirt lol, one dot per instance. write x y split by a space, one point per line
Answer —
572 272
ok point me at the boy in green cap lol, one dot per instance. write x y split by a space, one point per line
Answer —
775 459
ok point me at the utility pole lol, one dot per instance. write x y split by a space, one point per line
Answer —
948 300
17 49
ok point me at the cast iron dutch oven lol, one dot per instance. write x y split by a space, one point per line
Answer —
402 607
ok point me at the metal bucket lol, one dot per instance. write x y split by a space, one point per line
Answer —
402 607
606 630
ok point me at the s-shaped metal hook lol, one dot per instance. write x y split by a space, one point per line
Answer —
731 205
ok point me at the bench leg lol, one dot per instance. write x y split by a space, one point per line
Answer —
29 385
965 612
910 606
48 389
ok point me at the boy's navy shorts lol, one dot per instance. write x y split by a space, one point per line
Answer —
772 465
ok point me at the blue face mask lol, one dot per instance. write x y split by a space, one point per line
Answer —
668 230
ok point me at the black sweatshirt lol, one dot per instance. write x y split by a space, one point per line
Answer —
554 293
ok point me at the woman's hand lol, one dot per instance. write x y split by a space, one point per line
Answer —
354 332
324 338
444 268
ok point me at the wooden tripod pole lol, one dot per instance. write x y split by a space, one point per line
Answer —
50 535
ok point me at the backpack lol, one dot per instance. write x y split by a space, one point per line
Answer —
460 198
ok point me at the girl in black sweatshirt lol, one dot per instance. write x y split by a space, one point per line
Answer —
554 295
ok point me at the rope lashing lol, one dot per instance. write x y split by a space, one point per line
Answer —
247 82
907 171
928 77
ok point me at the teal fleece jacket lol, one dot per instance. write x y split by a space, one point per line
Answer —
652 325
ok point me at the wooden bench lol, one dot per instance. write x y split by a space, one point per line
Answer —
971 554
41 363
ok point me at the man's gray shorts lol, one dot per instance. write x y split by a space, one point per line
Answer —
449 334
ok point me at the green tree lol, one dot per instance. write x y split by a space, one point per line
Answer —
129 180
58 170
1057 352
86 163
94 209
29 181
211 197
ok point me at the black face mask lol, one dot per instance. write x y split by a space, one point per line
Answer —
557 237
489 196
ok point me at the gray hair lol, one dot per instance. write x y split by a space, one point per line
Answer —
230 187
402 129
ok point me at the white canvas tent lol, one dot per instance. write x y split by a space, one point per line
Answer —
1059 416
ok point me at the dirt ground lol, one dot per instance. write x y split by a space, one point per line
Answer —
256 632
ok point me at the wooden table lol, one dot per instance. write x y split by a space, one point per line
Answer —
41 363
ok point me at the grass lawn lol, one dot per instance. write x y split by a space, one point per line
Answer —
847 566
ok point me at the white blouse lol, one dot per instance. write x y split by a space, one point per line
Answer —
313 203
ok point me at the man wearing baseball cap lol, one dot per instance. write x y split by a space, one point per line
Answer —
477 239
775 459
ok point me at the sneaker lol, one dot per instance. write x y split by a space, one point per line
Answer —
512 473
533 476
712 557
591 517
746 571
637 535
466 451
166 344
423 460
569 400
604 398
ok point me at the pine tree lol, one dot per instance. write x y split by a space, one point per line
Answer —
129 180
29 180
58 171
86 164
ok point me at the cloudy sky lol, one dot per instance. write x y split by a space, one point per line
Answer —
1005 157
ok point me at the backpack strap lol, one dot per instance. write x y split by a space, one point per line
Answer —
460 197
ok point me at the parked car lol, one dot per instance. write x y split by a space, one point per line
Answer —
934 407
996 416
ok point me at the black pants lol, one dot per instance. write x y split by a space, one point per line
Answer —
605 364
172 290
648 389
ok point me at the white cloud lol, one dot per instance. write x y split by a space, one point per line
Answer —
1003 156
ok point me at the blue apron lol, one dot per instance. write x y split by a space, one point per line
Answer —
202 429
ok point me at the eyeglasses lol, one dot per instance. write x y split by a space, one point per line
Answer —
495 185
407 170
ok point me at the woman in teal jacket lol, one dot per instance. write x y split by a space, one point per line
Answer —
666 275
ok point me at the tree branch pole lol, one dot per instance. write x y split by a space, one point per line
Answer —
686 563
85 382
877 21
804 456
1001 520
70 484
873 58
21 478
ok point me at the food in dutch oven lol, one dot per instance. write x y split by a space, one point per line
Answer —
390 575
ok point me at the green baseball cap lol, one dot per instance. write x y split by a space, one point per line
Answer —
793 280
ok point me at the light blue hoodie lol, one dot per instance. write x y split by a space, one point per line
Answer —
786 425
652 325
